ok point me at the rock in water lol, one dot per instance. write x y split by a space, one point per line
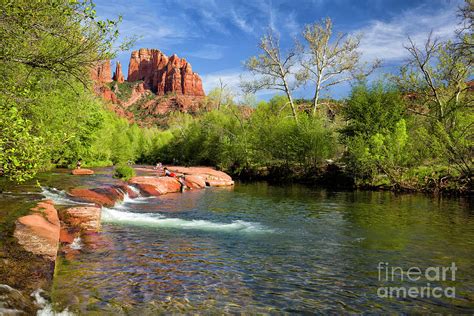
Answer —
84 217
156 185
80 172
39 232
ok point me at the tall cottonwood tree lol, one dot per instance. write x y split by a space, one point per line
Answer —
273 70
437 75
330 60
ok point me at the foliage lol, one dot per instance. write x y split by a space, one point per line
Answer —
438 72
371 109
328 62
64 37
124 172
232 140
20 151
123 90
46 53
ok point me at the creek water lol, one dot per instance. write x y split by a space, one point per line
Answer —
258 248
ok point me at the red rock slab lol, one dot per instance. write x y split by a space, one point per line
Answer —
195 182
219 183
148 189
39 232
205 172
90 195
46 208
156 185
82 172
114 192
85 217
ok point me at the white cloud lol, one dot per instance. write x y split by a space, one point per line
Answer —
385 40
230 77
291 24
241 23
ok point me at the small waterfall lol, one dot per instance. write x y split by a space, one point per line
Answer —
76 243
59 197
46 307
157 220
134 190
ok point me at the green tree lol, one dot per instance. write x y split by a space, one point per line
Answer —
328 62
437 76
46 53
370 110
273 69
18 162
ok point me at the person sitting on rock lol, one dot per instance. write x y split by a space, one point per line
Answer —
169 173
181 181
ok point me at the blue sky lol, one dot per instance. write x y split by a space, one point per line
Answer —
217 36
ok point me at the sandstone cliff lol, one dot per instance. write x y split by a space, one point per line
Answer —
162 74
118 75
156 86
101 73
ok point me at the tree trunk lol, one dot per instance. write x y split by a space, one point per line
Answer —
316 96
288 94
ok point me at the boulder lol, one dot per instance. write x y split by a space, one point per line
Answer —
211 176
85 217
104 196
156 185
39 232
80 172
148 189
195 181
90 195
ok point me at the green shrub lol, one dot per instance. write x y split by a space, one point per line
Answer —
124 172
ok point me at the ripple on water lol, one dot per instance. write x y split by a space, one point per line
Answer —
260 249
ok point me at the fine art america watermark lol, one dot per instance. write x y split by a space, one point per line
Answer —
428 277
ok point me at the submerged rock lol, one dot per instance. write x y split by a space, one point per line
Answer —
81 172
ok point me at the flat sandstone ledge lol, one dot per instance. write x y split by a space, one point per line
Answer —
194 177
39 232
82 172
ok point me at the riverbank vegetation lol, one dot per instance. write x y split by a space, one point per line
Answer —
411 131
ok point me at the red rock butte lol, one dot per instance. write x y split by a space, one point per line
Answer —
118 75
163 74
101 72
